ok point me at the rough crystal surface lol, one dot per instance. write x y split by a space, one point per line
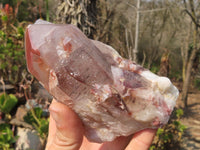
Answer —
112 96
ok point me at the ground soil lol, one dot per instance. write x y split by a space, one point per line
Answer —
191 119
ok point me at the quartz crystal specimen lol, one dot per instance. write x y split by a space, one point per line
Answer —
112 96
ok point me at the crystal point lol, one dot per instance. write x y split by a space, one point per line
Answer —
112 96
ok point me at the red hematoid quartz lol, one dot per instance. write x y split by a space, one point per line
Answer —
112 96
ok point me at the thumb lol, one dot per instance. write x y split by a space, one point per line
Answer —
65 128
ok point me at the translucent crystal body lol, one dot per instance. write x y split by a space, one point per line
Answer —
112 96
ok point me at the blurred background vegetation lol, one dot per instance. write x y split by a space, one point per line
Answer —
161 35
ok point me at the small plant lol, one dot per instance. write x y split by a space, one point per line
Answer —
40 123
7 139
170 136
154 68
175 74
197 83
7 102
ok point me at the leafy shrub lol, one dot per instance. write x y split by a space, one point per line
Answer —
197 83
170 136
40 123
154 69
7 102
7 139
177 75
12 60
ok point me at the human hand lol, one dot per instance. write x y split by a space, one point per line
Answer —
66 132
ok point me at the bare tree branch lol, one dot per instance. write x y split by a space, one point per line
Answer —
192 17
132 5
152 10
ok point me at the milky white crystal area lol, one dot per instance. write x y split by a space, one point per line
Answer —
112 96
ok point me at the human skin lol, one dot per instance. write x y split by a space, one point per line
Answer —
66 132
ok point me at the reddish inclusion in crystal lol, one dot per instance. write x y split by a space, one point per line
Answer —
53 75
33 57
68 47
29 50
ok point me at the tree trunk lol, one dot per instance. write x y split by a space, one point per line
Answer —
135 50
184 53
191 12
189 68
81 13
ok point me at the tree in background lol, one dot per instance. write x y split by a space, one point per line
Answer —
81 13
192 10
